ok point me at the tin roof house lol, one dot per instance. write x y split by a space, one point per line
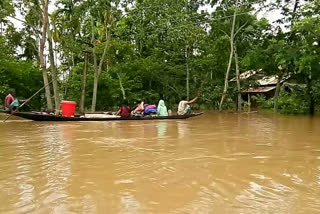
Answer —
261 84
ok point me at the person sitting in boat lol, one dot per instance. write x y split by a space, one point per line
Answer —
162 109
125 110
184 106
138 112
11 103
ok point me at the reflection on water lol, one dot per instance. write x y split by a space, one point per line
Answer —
162 128
227 163
183 129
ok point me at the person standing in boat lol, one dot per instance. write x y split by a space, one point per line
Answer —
125 110
184 106
11 103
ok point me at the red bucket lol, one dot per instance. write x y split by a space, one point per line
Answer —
68 108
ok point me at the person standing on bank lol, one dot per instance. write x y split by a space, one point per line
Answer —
184 106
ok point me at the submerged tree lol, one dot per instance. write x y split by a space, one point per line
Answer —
54 74
41 55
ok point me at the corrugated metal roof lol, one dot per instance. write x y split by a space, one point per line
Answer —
260 89
268 80
271 80
248 74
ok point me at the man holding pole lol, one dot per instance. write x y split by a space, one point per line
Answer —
10 102
184 106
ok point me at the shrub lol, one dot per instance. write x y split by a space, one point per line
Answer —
294 102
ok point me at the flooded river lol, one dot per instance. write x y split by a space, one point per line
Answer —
216 163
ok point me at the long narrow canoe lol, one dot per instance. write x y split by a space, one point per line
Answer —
47 117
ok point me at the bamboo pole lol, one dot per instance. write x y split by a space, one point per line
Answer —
28 100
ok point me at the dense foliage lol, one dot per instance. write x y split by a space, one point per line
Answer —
152 49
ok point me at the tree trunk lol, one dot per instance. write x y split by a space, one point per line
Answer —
224 93
41 56
188 73
121 87
312 102
54 74
249 102
95 63
311 98
211 77
98 72
84 82
95 90
276 94
237 78
67 77
294 12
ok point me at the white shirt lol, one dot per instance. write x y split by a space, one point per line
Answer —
181 107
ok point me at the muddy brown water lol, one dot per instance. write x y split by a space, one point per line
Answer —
216 163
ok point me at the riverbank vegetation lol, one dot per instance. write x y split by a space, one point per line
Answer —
99 52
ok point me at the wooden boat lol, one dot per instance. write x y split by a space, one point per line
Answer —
49 117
